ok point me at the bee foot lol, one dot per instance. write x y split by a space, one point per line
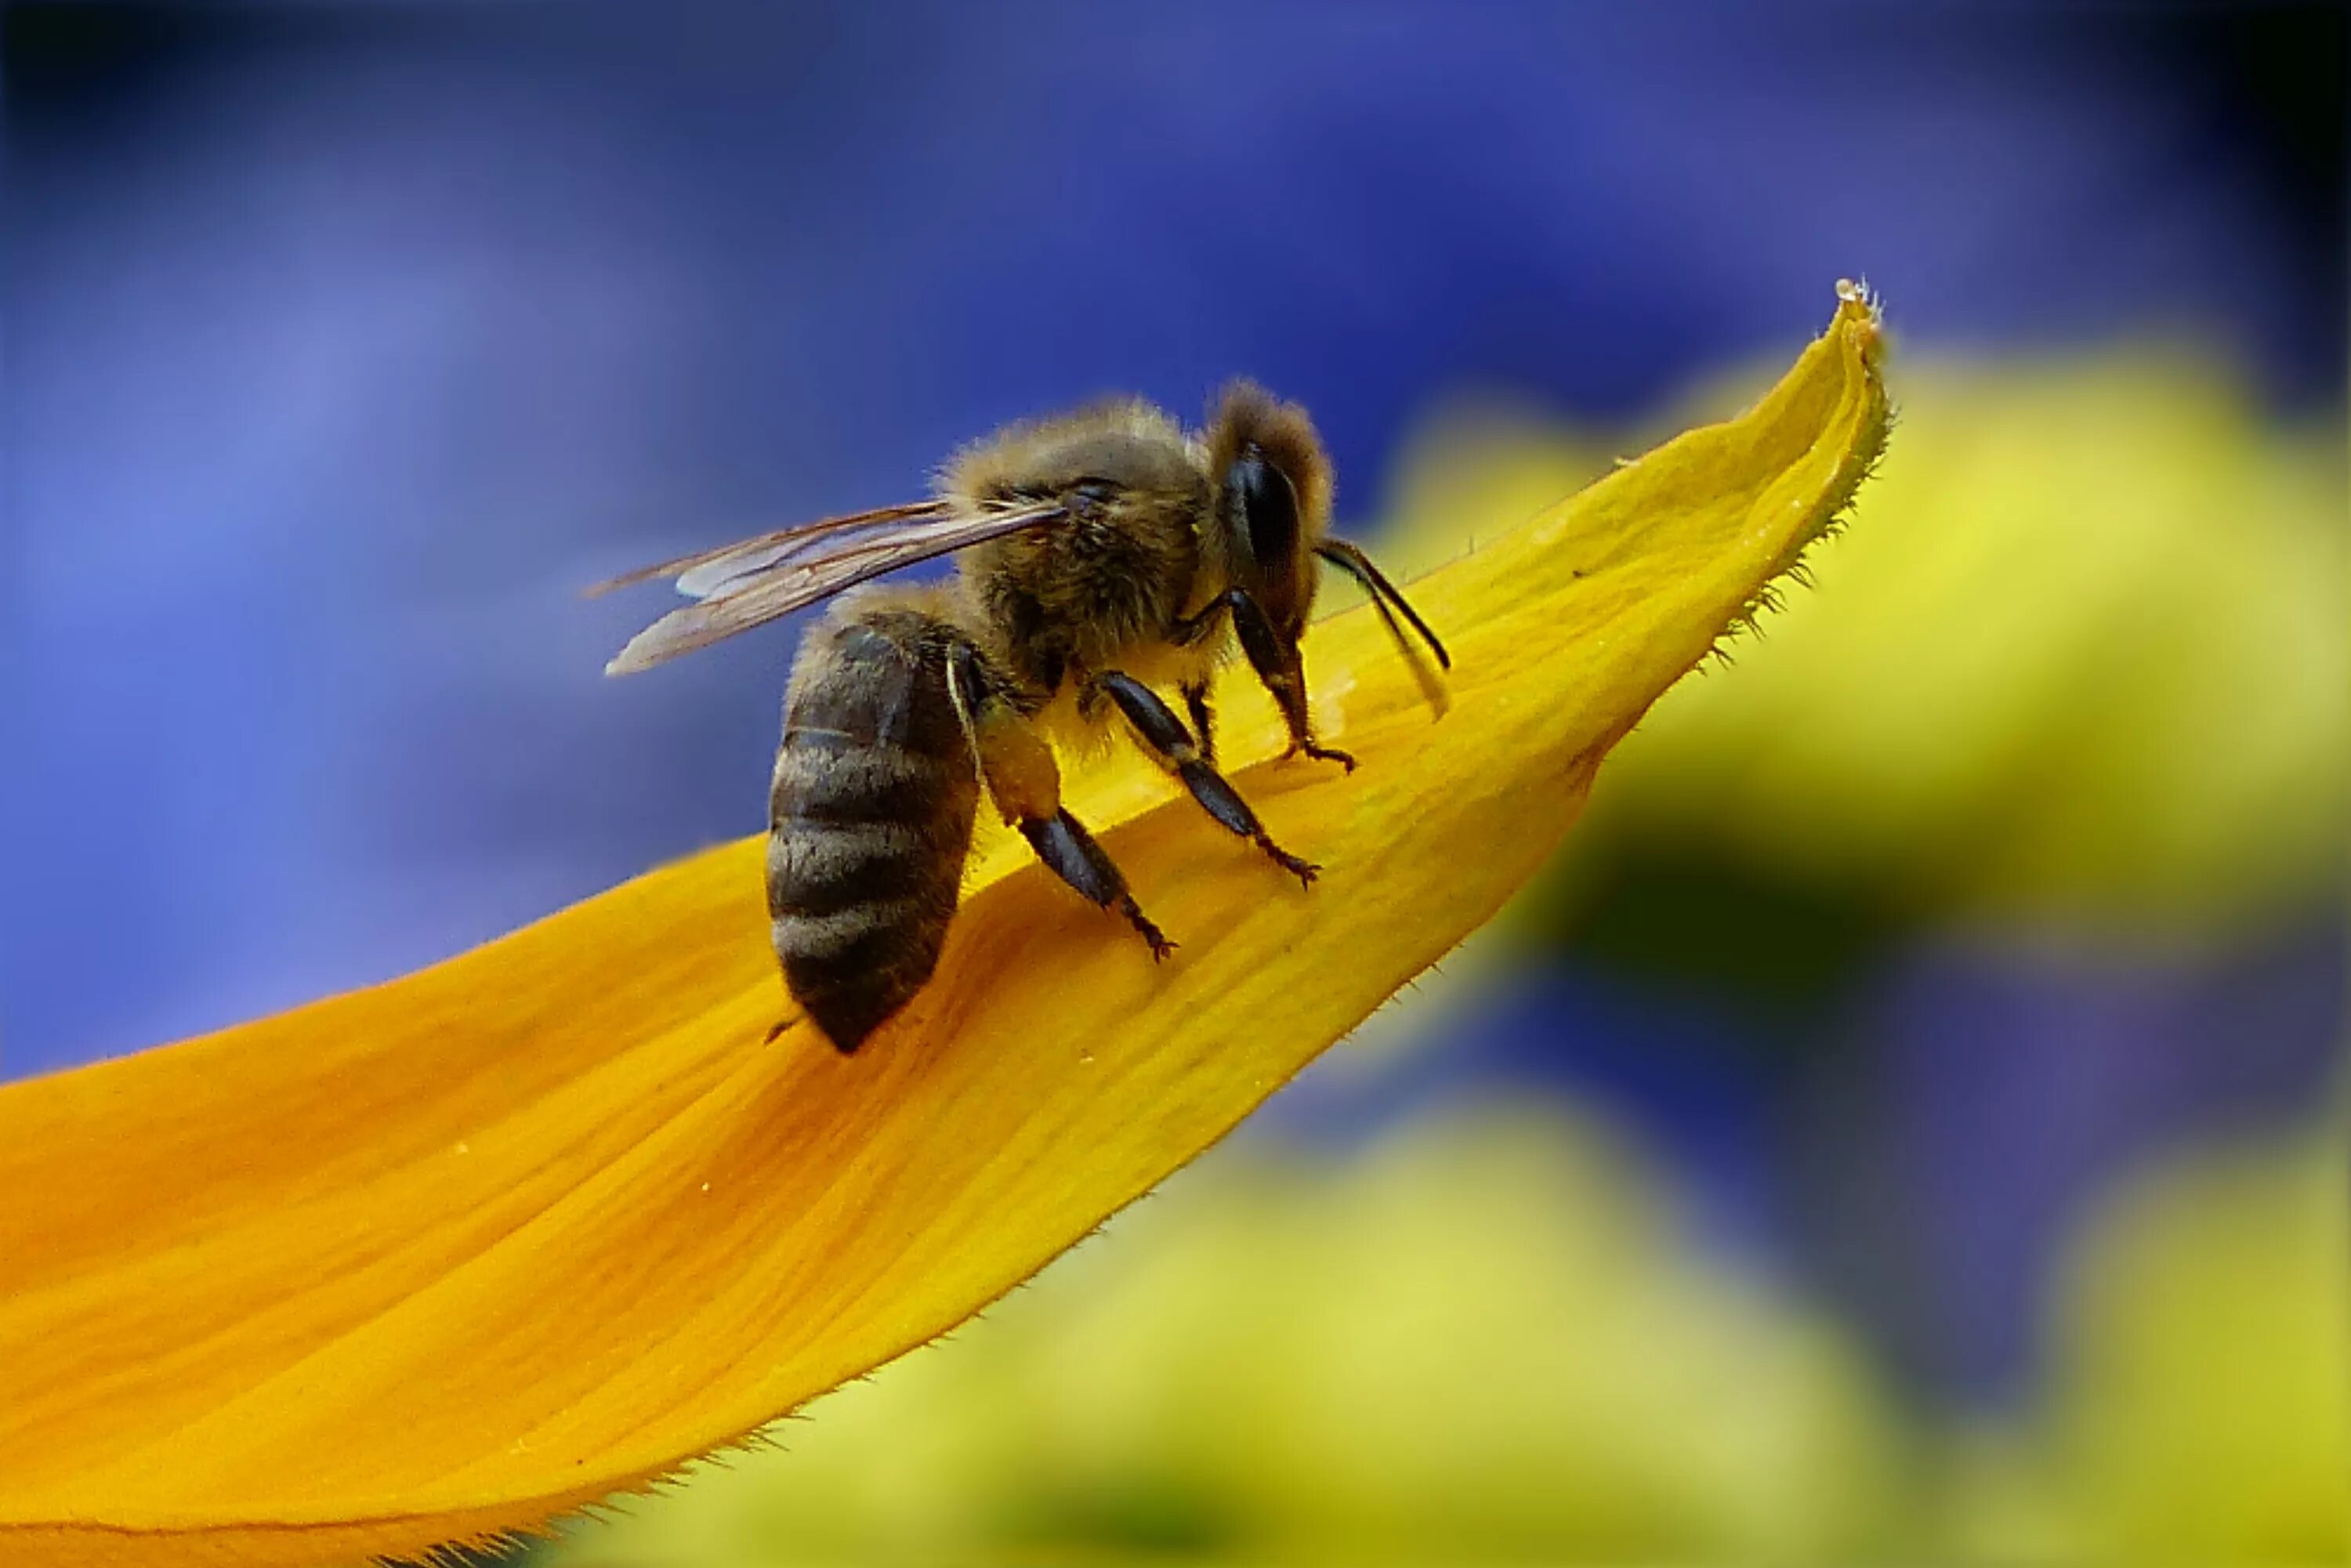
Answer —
1303 870
1329 754
1160 945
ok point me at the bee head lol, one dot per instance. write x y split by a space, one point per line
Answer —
1273 500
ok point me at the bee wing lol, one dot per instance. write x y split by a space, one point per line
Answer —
703 573
808 570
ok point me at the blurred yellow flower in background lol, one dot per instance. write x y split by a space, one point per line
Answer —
2198 1403
2088 670
2202 1403
1479 1338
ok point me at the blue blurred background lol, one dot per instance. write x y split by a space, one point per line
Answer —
344 344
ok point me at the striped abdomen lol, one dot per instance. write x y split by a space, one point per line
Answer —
870 817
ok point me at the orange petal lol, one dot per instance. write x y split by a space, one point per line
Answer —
443 1258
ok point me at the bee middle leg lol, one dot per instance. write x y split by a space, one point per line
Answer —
1025 783
1164 733
1204 719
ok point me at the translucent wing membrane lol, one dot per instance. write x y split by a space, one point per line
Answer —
703 573
758 580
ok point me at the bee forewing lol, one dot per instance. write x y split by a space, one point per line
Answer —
713 578
711 570
759 595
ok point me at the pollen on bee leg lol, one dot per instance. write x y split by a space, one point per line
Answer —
1022 777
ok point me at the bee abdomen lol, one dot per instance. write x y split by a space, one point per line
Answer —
870 820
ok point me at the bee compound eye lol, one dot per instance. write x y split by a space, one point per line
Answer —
1268 505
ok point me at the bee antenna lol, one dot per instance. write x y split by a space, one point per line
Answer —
1352 560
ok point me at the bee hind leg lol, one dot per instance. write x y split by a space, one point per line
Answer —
1062 843
1165 735
1025 783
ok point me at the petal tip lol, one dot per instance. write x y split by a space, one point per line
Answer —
1861 314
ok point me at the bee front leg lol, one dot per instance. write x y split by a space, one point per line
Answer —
1275 658
1025 783
1164 734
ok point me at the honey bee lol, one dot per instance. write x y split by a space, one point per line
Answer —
1104 556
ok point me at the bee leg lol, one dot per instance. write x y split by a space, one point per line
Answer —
1275 659
1204 719
1159 729
1023 778
1062 843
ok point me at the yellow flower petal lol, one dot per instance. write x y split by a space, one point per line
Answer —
443 1258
